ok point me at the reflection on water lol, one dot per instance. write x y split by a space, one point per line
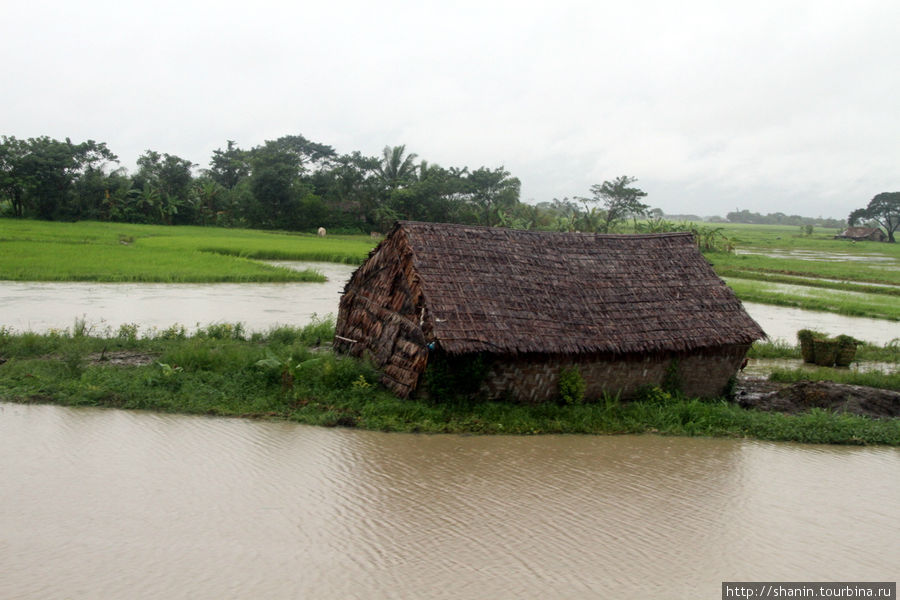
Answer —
123 504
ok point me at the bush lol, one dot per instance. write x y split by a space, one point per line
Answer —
654 395
671 382
222 331
571 386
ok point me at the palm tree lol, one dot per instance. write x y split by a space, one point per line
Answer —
395 169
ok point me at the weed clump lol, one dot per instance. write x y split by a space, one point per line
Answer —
571 386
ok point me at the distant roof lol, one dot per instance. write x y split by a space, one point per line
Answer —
860 231
513 291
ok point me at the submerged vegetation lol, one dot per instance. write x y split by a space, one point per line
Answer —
290 373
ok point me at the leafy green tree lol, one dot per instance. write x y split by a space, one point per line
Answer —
619 201
559 215
279 191
115 205
208 198
431 194
884 209
39 175
14 181
169 174
491 191
228 167
351 190
167 180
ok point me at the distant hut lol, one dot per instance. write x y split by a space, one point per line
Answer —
626 310
859 234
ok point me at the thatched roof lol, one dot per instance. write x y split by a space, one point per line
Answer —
510 291
859 233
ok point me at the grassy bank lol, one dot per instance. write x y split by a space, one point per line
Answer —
116 252
285 374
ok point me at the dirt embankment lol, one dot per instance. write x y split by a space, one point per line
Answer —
805 395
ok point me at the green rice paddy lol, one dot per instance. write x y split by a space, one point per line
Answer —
116 252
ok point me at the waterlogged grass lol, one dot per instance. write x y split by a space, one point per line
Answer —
860 270
115 252
809 282
826 271
784 250
877 306
286 374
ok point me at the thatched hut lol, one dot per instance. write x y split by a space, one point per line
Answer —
626 310
860 234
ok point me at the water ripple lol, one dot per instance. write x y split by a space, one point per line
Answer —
104 503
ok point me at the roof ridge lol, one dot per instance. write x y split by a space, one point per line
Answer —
414 224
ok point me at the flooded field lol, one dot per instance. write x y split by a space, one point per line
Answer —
113 504
782 323
818 255
41 306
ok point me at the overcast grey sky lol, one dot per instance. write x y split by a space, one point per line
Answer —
712 105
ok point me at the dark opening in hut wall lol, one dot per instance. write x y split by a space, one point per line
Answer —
541 301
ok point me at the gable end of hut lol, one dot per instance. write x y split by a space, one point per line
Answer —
381 314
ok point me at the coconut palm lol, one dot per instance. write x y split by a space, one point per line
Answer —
395 168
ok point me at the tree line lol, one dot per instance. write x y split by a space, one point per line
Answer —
293 183
289 183
779 218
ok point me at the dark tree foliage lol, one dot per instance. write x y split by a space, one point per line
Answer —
228 167
883 209
289 183
778 218
38 176
619 200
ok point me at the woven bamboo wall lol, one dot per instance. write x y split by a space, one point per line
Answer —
534 379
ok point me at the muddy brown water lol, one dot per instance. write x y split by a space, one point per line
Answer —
40 306
114 504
